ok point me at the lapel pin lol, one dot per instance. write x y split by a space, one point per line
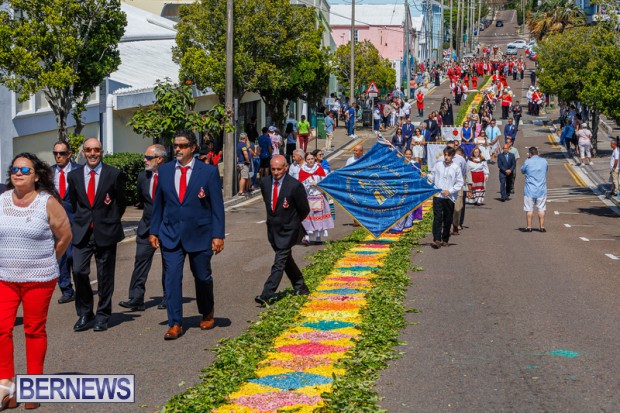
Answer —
285 203
201 194
107 199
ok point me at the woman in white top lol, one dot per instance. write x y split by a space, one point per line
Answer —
585 143
417 146
482 143
34 233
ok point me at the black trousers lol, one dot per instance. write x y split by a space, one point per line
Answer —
457 98
443 211
505 185
105 260
505 112
141 268
283 262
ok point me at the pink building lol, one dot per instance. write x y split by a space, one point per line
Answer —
381 24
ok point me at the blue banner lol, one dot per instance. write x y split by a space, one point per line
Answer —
379 189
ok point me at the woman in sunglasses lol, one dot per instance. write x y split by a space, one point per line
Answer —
34 233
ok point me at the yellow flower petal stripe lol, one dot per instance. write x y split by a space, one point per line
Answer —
301 365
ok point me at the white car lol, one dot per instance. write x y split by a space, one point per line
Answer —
511 49
519 44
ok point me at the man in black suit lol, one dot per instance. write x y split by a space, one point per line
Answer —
97 194
433 126
148 180
506 163
64 165
287 205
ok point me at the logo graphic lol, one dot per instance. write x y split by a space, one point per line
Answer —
76 388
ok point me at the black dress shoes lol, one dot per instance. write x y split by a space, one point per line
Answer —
162 305
66 299
101 326
132 305
83 322
262 301
302 291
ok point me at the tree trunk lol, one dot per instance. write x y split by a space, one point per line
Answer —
595 116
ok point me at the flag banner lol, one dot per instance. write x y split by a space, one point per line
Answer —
434 154
379 189
450 133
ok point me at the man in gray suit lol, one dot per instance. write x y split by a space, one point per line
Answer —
154 156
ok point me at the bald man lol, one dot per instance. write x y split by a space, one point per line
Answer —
286 205
98 200
148 181
358 152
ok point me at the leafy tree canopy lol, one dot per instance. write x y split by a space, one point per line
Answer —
369 66
555 16
64 48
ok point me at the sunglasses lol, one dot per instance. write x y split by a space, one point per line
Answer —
150 158
24 170
181 145
93 150
63 153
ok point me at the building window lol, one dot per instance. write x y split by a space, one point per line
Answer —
356 36
41 102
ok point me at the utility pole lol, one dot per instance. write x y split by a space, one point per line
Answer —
441 35
479 21
458 28
462 27
406 39
451 32
352 81
432 36
229 139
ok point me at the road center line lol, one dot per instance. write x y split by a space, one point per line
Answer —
612 256
261 222
584 239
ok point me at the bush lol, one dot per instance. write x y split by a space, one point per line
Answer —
130 165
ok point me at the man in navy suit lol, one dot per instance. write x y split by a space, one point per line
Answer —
506 163
62 155
148 181
188 219
510 130
408 129
2 188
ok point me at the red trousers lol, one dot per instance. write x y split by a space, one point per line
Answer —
35 297
303 141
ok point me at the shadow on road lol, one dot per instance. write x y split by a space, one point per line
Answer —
603 211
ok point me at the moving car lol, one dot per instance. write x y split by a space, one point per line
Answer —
519 44
511 49
499 23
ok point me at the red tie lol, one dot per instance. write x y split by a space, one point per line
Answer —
183 183
275 196
155 180
62 184
91 188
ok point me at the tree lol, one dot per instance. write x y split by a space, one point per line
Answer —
369 66
276 50
555 16
581 65
63 48
173 110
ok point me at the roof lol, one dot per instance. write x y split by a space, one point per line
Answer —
146 52
368 14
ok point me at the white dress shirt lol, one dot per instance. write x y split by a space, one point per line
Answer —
57 169
447 178
87 170
177 174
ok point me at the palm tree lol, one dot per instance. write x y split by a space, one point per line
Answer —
555 16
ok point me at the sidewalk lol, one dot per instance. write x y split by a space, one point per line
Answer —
132 215
599 171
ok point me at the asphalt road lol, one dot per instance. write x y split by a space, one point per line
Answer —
512 321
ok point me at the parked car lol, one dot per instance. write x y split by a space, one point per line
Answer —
519 44
511 50
499 23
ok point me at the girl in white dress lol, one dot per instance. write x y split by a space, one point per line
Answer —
477 176
482 143
417 146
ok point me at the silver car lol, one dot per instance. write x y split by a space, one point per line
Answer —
511 50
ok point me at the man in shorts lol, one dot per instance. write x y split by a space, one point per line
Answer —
535 192
243 164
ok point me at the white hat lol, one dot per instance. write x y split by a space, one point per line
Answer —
272 129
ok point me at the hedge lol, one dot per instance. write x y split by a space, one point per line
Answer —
130 165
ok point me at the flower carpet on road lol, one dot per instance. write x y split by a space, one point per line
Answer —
302 363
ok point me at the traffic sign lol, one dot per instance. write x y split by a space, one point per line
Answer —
372 95
372 88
